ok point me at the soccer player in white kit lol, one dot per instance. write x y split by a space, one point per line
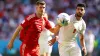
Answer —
45 36
67 34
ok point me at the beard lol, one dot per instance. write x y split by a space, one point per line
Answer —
79 15
41 13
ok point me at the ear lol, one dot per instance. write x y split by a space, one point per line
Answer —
84 11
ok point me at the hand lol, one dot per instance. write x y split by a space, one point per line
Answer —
10 45
52 41
84 50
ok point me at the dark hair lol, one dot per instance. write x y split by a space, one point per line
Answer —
81 5
40 2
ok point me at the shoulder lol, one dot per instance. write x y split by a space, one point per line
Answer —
72 17
29 17
83 23
52 23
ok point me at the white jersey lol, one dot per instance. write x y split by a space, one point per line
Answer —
67 34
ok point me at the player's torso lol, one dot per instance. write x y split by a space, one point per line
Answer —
69 33
36 25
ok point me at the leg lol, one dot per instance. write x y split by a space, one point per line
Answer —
30 50
35 51
42 49
22 50
48 50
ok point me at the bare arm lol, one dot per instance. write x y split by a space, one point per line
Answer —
55 29
16 33
82 42
10 44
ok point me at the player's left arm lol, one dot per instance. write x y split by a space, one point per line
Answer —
82 40
55 29
50 28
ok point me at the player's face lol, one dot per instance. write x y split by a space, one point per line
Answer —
40 9
80 11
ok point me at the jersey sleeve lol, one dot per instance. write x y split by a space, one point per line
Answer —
25 23
82 31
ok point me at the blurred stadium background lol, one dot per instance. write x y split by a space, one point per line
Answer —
12 12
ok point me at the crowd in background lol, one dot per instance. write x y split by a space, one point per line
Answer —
12 12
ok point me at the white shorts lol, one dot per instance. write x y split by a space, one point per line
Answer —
45 48
69 50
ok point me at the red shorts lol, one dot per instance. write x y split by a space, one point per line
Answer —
30 50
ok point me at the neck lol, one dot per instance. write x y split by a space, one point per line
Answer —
38 15
77 17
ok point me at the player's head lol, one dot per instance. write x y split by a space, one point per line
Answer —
80 9
40 7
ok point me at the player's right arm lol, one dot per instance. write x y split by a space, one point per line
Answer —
25 23
10 44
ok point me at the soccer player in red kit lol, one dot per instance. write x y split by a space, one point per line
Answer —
33 25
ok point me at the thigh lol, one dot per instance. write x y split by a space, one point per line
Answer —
48 49
22 50
42 49
35 51
30 51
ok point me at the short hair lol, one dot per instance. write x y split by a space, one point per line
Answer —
81 5
40 2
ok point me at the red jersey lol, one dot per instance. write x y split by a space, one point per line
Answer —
34 25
